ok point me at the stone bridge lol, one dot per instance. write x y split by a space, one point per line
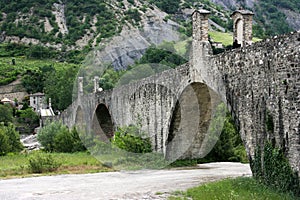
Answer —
258 82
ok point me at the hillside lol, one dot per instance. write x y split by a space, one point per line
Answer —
119 31
69 25
272 16
70 29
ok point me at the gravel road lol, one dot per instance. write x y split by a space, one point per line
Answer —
131 185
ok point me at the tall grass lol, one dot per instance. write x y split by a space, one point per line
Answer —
244 188
82 162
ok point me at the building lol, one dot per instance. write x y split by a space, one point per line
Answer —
6 101
36 101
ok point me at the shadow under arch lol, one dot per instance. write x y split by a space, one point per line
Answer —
102 124
189 122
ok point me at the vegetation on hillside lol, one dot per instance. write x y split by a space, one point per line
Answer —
271 18
99 19
154 60
26 18
24 120
37 73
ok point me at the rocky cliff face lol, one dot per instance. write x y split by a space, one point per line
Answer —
293 18
234 4
131 43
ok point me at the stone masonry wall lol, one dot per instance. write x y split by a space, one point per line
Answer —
262 80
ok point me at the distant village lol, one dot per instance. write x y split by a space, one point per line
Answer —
37 102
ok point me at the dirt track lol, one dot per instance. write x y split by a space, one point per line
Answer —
129 185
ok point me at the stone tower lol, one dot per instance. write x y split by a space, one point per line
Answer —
200 25
201 48
242 27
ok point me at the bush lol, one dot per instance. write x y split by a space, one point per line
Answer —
42 162
68 141
131 139
56 137
29 119
9 139
47 134
4 146
6 114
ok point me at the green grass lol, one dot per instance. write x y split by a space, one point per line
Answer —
181 47
81 162
9 72
233 189
225 38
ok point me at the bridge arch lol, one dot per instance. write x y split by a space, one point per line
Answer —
102 123
189 122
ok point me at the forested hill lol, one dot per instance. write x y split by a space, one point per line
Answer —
273 16
65 24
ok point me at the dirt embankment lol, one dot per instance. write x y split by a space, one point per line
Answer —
12 91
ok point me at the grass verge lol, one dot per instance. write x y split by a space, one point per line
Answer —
243 188
76 163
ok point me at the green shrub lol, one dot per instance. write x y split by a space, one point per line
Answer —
14 138
9 139
55 137
272 168
46 135
68 141
131 139
6 114
42 162
4 146
28 118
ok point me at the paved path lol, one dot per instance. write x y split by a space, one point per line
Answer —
117 185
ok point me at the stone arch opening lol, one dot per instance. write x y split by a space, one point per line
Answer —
189 122
239 27
102 125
